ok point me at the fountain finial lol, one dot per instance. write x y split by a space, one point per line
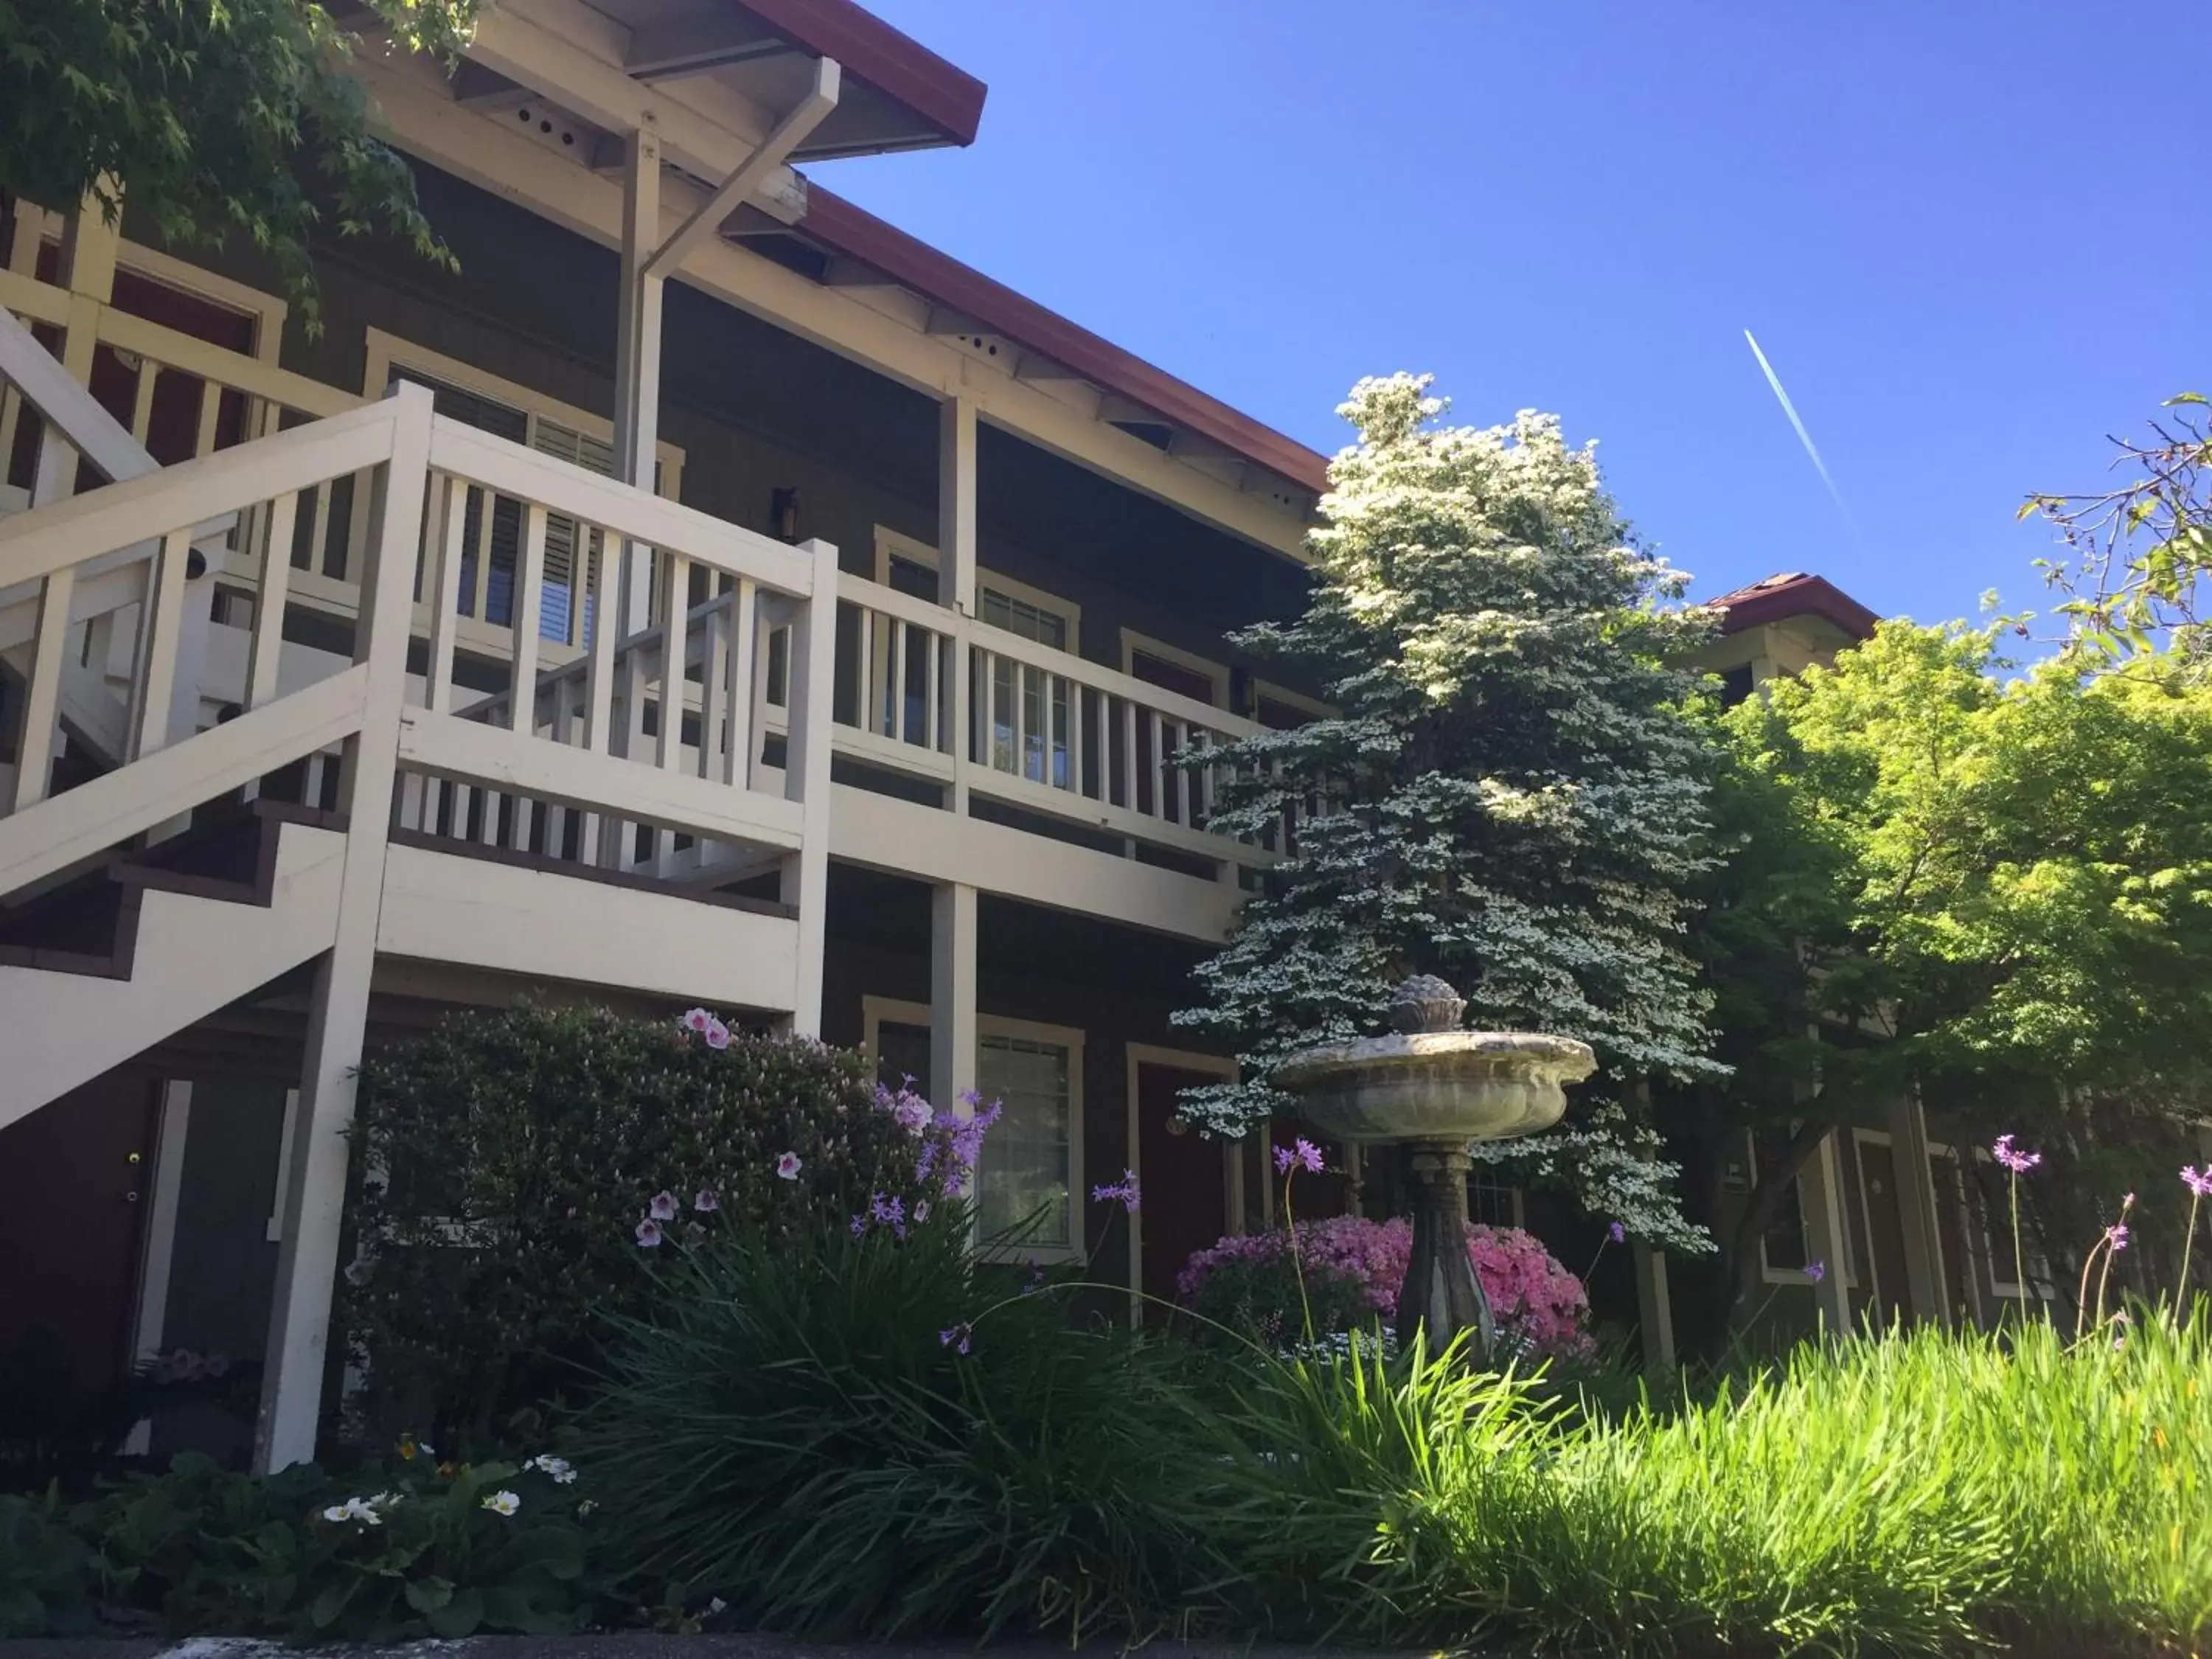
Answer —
1425 1004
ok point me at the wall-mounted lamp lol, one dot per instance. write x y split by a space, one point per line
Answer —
783 513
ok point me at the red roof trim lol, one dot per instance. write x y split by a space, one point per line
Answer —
947 97
839 226
1796 596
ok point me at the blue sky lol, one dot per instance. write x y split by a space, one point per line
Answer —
1969 235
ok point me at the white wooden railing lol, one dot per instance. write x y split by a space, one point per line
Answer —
551 749
1045 732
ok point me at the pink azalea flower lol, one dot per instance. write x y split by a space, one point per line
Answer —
787 1166
698 1021
718 1035
663 1207
648 1233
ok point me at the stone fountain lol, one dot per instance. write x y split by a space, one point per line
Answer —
1438 1089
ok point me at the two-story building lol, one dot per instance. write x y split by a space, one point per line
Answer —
915 591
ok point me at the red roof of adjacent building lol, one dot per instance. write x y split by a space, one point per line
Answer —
1793 594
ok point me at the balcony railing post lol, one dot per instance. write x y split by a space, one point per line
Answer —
806 778
337 1019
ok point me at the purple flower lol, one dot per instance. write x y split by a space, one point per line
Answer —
718 1035
888 1211
2199 1182
1816 1270
957 1337
663 1207
705 1202
1617 1233
1304 1155
1036 1280
1123 1192
2018 1162
648 1233
859 1225
788 1167
2116 1237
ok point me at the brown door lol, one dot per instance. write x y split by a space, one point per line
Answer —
1890 1296
75 1180
1184 1178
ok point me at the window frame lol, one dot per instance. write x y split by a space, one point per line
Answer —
875 1011
1768 1273
890 543
1985 1222
1216 672
1312 707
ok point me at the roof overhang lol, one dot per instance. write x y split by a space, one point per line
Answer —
1787 598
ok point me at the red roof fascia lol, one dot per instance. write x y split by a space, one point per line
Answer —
845 228
944 95
1799 596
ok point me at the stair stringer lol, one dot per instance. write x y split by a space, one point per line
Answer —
192 957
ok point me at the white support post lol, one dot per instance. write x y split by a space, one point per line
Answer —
805 873
337 1017
1655 1307
637 357
1820 1188
952 1033
159 1250
956 564
1916 1210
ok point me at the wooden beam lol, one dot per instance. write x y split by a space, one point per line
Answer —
476 87
692 45
851 273
952 324
744 178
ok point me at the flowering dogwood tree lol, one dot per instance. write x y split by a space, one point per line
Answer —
1509 795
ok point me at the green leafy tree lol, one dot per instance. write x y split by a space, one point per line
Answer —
1996 892
1511 794
2138 556
215 119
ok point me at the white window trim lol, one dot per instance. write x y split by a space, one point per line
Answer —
1268 689
1183 1060
875 1011
1770 1274
1216 673
37 225
891 544
390 351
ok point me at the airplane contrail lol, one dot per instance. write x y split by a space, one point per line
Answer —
1803 436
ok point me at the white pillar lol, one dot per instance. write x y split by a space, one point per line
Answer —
164 1191
89 244
952 1035
1915 1211
1655 1307
337 1019
956 564
637 353
805 873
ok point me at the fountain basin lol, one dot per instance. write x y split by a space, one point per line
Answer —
1438 1087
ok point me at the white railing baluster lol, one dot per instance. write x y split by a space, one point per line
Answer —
1130 766
530 584
50 650
864 696
714 691
740 744
142 400
445 598
264 656
933 652
160 623
675 623
319 534
210 417
897 724
1076 698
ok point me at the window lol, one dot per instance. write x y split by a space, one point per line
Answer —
1032 1166
1735 685
1173 669
1026 1173
1491 1201
910 565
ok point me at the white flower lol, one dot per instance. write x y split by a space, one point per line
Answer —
501 1502
587 1506
355 1509
561 1471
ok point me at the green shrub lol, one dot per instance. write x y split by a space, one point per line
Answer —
875 1436
505 1161
46 1576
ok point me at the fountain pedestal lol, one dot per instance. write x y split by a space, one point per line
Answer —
1439 1089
